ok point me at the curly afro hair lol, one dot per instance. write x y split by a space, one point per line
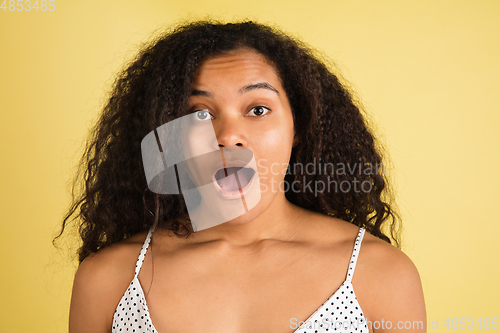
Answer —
114 201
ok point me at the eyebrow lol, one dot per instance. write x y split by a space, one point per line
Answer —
259 85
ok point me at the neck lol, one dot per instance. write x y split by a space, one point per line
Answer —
279 221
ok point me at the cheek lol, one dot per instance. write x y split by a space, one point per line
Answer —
198 140
197 146
276 138
272 148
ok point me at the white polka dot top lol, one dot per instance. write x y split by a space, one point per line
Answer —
340 313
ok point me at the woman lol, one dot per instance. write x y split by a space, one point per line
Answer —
287 260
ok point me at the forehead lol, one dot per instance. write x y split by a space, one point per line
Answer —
240 66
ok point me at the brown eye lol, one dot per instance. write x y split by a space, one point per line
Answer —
258 111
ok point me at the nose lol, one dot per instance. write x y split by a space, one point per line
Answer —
230 133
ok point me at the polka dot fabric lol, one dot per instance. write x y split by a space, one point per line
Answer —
340 313
132 314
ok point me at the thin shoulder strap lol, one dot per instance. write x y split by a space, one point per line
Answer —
355 252
144 249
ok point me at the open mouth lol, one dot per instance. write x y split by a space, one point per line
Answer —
242 177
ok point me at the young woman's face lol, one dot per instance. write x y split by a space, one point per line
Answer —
242 95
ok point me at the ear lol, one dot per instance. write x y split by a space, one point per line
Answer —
295 141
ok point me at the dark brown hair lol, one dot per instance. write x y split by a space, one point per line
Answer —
114 201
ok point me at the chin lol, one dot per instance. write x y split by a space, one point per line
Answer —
254 213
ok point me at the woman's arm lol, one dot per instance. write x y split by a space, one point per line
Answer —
99 284
403 305
88 311
397 302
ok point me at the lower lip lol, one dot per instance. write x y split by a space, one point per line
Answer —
232 194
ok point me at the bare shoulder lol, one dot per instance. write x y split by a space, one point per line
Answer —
388 285
100 281
386 282
384 260
378 260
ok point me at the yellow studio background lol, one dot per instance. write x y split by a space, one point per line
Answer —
428 73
